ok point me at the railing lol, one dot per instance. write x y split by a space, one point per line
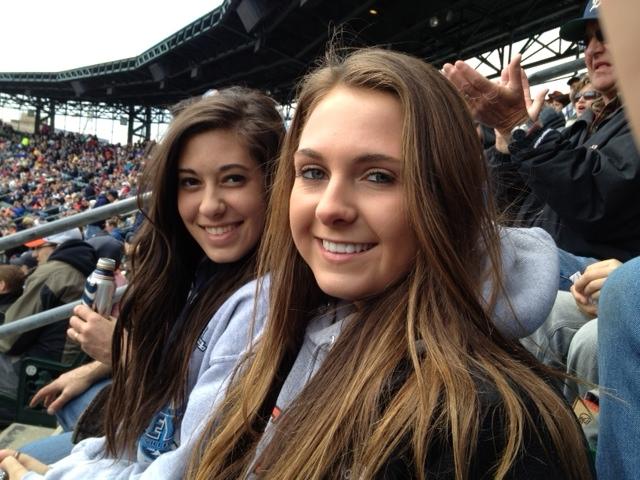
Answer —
47 317
120 207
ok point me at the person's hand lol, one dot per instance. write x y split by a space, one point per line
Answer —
17 464
64 388
586 290
93 332
502 104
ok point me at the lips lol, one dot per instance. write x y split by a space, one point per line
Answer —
597 65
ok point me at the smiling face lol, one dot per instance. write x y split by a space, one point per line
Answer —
599 63
347 211
221 195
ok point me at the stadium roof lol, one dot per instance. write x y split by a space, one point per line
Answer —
269 44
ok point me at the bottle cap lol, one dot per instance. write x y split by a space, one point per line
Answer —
105 263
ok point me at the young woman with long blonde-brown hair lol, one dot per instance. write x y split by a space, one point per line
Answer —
380 358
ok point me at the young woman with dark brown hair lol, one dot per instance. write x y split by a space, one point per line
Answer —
380 357
210 178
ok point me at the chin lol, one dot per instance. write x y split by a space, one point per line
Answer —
342 291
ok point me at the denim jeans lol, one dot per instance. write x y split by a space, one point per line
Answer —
619 369
69 414
50 449
570 264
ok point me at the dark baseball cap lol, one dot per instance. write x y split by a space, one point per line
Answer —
26 258
108 247
574 29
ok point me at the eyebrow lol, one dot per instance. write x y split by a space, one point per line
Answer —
223 168
364 158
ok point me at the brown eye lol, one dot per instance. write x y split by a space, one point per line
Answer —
234 179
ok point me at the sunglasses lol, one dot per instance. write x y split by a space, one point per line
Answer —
588 95
584 43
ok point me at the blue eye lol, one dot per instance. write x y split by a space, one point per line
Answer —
379 177
312 173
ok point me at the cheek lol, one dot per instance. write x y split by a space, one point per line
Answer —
185 207
301 214
252 203
393 228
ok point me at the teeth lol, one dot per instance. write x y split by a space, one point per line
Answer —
219 230
345 247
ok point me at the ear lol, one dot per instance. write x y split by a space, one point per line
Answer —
3 286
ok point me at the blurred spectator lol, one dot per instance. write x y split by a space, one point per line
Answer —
11 282
64 262
558 100
569 111
56 174
112 227
585 97
588 176
568 337
26 261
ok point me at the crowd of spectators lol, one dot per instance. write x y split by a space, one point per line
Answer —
47 175
565 162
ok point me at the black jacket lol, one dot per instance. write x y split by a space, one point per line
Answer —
537 460
582 185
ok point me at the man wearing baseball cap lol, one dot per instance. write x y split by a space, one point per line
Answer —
585 180
64 263
43 247
589 178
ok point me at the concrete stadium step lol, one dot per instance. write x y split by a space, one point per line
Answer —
17 434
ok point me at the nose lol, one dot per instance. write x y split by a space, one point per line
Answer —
212 203
594 46
337 203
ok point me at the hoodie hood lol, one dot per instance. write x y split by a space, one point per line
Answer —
531 273
77 253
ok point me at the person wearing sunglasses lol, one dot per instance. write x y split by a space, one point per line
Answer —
585 179
585 96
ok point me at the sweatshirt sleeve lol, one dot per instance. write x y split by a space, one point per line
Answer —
232 330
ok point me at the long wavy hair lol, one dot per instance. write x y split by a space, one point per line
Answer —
156 333
407 374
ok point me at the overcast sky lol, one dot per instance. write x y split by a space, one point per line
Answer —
55 35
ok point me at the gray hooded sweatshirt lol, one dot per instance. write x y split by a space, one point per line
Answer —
531 272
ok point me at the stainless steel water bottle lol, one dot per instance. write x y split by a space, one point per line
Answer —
100 287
